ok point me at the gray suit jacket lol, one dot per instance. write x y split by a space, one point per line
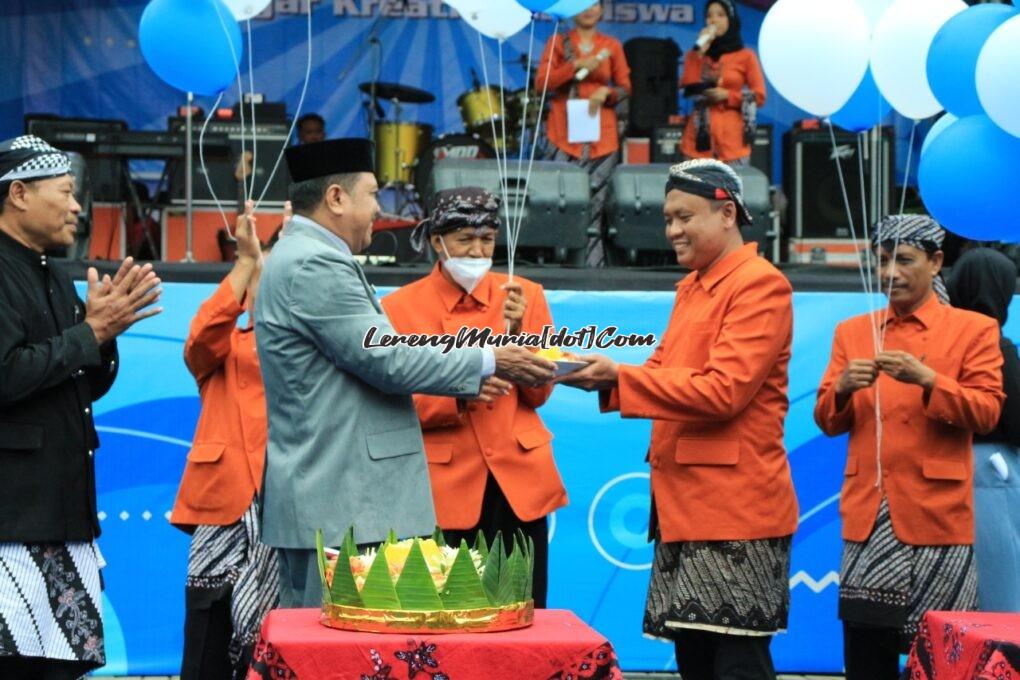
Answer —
345 447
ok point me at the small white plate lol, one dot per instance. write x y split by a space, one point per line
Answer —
565 366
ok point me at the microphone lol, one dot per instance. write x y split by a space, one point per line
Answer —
583 73
703 40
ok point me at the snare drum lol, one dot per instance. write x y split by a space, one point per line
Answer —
397 149
449 146
480 106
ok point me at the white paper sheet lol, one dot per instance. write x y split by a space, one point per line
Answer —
581 126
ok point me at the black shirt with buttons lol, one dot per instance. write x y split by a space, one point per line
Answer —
51 370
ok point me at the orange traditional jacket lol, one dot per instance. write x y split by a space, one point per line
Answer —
612 72
715 389
224 468
926 465
465 442
735 71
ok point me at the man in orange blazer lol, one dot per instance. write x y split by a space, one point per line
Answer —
232 577
490 459
911 384
723 505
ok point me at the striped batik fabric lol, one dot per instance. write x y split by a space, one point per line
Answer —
887 583
51 602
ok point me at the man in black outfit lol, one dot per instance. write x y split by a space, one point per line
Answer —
57 355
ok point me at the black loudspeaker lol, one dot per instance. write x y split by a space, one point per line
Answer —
654 77
811 180
106 174
666 144
271 138
761 150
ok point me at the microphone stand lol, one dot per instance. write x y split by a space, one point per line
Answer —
372 39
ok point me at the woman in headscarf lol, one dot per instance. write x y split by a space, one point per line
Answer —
490 460
725 82
911 405
984 281
586 64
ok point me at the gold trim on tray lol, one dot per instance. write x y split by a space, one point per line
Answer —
481 620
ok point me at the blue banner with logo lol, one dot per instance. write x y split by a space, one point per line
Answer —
599 558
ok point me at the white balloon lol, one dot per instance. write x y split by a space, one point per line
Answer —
815 52
246 9
874 9
998 76
497 19
899 53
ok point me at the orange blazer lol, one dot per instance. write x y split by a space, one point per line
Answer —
465 442
612 72
927 469
734 71
715 389
224 468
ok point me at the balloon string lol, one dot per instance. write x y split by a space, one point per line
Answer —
201 137
254 130
205 172
853 230
297 113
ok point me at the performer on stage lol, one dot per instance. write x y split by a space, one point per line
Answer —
724 80
57 356
232 576
723 505
345 447
907 502
491 465
586 64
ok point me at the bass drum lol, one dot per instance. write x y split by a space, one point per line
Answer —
449 146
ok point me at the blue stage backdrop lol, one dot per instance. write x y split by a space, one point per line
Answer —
81 58
599 555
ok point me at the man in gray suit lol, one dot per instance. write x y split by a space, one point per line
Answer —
345 447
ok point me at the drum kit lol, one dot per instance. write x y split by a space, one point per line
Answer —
406 151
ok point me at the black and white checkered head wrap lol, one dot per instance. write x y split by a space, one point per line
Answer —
918 231
710 179
29 158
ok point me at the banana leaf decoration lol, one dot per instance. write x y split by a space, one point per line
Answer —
344 590
463 589
321 556
415 588
378 591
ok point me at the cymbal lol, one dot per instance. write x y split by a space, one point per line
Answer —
402 93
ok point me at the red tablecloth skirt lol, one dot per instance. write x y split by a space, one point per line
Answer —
966 646
294 646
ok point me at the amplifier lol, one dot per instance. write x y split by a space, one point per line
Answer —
666 144
811 181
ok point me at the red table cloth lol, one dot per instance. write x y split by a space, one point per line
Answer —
966 646
294 646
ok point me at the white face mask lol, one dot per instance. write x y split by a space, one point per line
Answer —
466 271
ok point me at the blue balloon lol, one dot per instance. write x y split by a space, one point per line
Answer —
940 126
537 5
194 45
564 9
969 177
865 109
953 56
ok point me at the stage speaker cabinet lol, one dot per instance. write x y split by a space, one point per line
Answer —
654 77
106 175
554 205
270 141
666 144
636 229
811 181
761 150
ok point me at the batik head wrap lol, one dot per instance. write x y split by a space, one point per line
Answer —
28 158
455 209
710 179
918 231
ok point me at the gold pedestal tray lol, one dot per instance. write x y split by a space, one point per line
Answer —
482 620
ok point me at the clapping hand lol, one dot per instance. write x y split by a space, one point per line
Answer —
114 305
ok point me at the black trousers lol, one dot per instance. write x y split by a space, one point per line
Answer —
871 653
497 515
38 668
704 655
207 632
